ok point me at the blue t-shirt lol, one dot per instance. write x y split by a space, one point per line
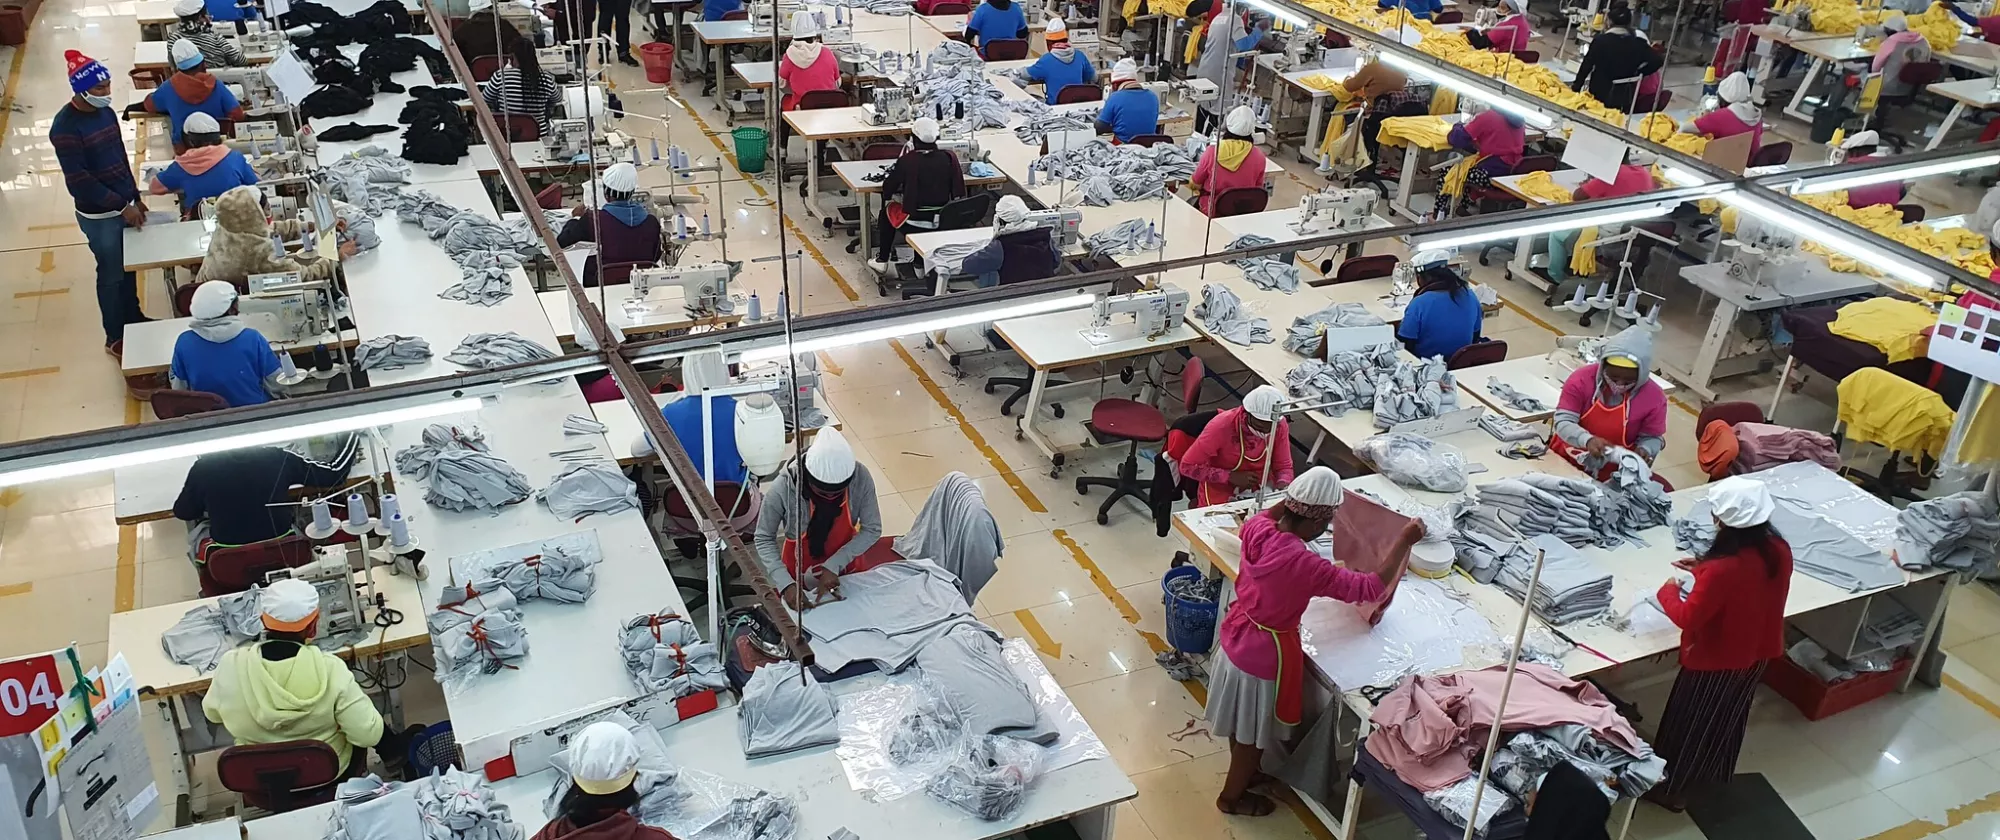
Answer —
223 10
233 370
1439 325
1130 113
1056 74
992 23
1419 9
230 172
166 101
684 417
715 9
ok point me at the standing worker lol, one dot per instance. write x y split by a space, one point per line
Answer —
284 688
1732 622
1225 36
90 147
1614 402
603 764
1131 109
1615 61
820 516
191 89
1256 693
996 20
925 179
1062 65
1444 316
1228 457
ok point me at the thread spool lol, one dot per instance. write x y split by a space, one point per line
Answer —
357 511
399 532
322 524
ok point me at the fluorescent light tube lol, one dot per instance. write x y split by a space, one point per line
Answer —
1806 227
226 441
1473 237
1281 14
1500 101
1683 177
1896 173
978 315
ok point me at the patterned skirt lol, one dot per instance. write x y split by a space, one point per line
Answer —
1701 732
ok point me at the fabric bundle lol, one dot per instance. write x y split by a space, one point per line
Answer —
1223 313
1348 378
1539 503
956 531
664 652
1307 334
1038 125
1429 727
369 178
1266 272
450 804
390 352
886 615
486 644
1414 389
1514 398
1507 430
1127 237
461 473
582 489
438 132
1570 588
1760 446
208 631
1960 531
990 778
1632 501
957 91
784 709
1121 173
561 572
1414 461
1695 532
1482 543
1533 753
460 603
486 251
490 350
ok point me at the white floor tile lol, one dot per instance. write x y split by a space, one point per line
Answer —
1854 819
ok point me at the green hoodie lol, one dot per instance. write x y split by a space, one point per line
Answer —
311 696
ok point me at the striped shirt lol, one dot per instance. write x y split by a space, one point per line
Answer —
216 50
508 93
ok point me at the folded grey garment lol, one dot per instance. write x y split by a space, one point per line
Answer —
1223 312
1523 450
1127 237
491 350
1695 532
663 652
557 573
784 709
392 815
966 669
1039 125
1414 389
459 805
1266 272
485 278
1514 398
459 603
1570 586
1508 430
577 424
1959 531
489 643
464 479
198 639
582 489
1824 549
389 352
416 460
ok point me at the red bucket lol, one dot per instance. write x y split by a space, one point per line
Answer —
658 59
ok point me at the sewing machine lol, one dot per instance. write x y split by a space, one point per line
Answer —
287 309
704 288
891 106
1202 90
1155 312
966 149
1337 209
1067 222
555 61
571 138
1485 17
262 40
342 602
1302 47
258 94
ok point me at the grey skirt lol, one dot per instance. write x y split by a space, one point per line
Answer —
1242 708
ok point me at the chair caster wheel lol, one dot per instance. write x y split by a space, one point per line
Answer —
1081 490
1055 473
1019 435
1125 376
988 388
826 224
853 248
1326 266
1057 410
1103 519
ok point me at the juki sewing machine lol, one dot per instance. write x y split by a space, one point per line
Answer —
287 309
1756 246
342 601
556 62
966 149
1201 90
1335 209
891 106
1155 312
838 32
1067 222
704 289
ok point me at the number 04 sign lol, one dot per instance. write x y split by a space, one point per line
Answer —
30 692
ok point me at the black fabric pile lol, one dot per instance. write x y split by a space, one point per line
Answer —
353 131
386 19
334 101
386 57
438 131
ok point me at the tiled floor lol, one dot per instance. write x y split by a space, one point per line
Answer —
1913 765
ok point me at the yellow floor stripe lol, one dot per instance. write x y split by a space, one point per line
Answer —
10 496
33 228
965 427
1966 692
1044 643
1118 601
17 589
41 293
23 374
125 596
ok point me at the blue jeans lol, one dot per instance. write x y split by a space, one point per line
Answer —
117 289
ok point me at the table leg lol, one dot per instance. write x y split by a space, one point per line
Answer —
1799 96
1096 823
1407 182
721 52
1784 378
1931 627
1631 805
1767 63
179 761
1309 148
1719 324
1026 425
867 227
1957 110
812 176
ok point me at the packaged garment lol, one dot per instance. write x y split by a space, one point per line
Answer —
784 709
1454 801
664 653
956 531
990 778
487 644
1224 315
1415 389
964 667
1414 461
582 489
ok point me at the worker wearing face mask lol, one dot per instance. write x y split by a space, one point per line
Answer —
1737 116
821 519
1228 457
90 147
1614 402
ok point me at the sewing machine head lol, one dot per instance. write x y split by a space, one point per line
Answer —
1202 90
1066 222
288 312
331 573
1342 209
566 138
891 106
763 14
965 147
1155 312
1302 46
555 61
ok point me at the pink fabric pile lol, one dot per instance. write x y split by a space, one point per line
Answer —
1429 727
1761 446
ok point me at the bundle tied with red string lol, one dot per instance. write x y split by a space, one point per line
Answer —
487 643
664 653
462 602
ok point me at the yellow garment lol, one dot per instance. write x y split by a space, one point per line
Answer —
1444 101
1892 326
1230 153
1453 185
311 696
1871 93
1880 407
1335 127
1322 81
1662 129
1937 25
1431 133
1583 253
1966 249
1540 185
1835 17
1981 444
1194 40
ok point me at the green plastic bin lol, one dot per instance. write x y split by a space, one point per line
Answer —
750 146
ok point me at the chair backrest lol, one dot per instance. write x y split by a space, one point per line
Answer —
230 569
550 197
742 506
184 298
818 99
1240 201
1656 102
1079 93
520 128
1529 56
280 776
966 212
739 14
1191 377
1477 353
1912 213
1537 163
1148 140
950 9
1772 154
1005 49
483 67
1920 74
1728 412
1365 268
169 403
1442 18
614 273
882 151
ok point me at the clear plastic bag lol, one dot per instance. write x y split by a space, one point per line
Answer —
690 804
1414 461
989 778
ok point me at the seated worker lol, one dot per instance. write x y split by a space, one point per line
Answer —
1444 316
603 763
1865 146
995 20
191 89
718 9
1511 34
1131 109
522 87
240 496
1497 138
1018 252
807 65
1899 49
700 372
1419 9
196 26
484 33
821 516
1614 402
284 688
625 230
1615 60
916 186
221 356
1635 176
1384 92
1232 162
1737 116
1062 65
207 169
240 245
1227 458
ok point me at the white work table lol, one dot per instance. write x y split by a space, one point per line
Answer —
1540 377
227 828
1978 93
1823 51
664 310
1055 341
166 245
152 55
1315 116
1804 280
149 346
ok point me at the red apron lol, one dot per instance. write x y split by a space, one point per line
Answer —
837 538
1215 494
1601 421
1290 704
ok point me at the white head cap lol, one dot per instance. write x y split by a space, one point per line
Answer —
1735 88
830 459
1994 234
926 129
1262 403
185 53
189 8
1125 70
1895 22
212 299
621 177
288 605
1011 209
603 758
1055 27
1516 6
1318 487
1740 502
1430 258
200 123
804 25
1860 139
704 369
1640 157
1241 120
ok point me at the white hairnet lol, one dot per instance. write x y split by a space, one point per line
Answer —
189 8
830 459
1860 139
1011 209
1740 502
1640 157
288 605
621 177
1055 28
212 299
926 129
1430 258
1262 403
1318 487
200 123
603 758
704 369
1895 22
1124 71
1735 88
185 53
804 25
1241 120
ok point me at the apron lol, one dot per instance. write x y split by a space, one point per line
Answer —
836 538
1601 421
1290 703
1215 494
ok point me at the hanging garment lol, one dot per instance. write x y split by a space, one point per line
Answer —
1223 313
956 531
1895 327
886 615
1429 726
784 709
964 667
664 652
582 489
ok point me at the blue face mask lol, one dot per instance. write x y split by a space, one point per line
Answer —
97 101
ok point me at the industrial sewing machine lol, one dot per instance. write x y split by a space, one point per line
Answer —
1485 17
1303 47
1155 312
839 31
1756 246
555 61
891 106
287 309
1201 90
1066 222
704 289
570 138
342 601
966 149
1335 209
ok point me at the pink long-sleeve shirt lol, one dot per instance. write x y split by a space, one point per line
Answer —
1510 35
1213 179
1647 418
1723 122
1496 137
1278 577
1216 452
822 74
1887 192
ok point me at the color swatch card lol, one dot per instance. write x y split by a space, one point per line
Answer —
1968 338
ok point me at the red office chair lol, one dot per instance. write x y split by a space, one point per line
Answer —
1359 269
282 776
228 569
1772 154
679 524
484 67
1135 423
1728 412
1442 18
1079 93
1240 201
184 298
882 151
1912 213
1477 353
818 99
939 9
550 197
739 14
1528 56
1148 140
519 128
169 403
1657 102
1005 49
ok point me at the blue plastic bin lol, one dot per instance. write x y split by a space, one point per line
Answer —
1190 624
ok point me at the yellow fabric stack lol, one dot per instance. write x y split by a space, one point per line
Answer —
1662 129
1540 185
1322 81
1981 444
1964 248
1892 326
1835 17
1882 408
1583 253
1431 133
1937 25
1453 185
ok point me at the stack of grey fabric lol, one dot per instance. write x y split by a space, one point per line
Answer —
1041 121
886 615
1414 389
458 603
1960 532
1482 543
1570 588
1632 500
389 352
490 350
1307 334
1222 311
1348 378
585 488
1121 173
1509 431
952 85
1695 532
664 652
1539 503
1127 237
956 531
486 251
479 645
1266 272
208 631
1518 767
370 178
451 805
460 473
784 709
562 571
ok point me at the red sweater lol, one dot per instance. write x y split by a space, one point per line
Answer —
1735 617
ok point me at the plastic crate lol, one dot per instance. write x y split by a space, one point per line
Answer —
1817 700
